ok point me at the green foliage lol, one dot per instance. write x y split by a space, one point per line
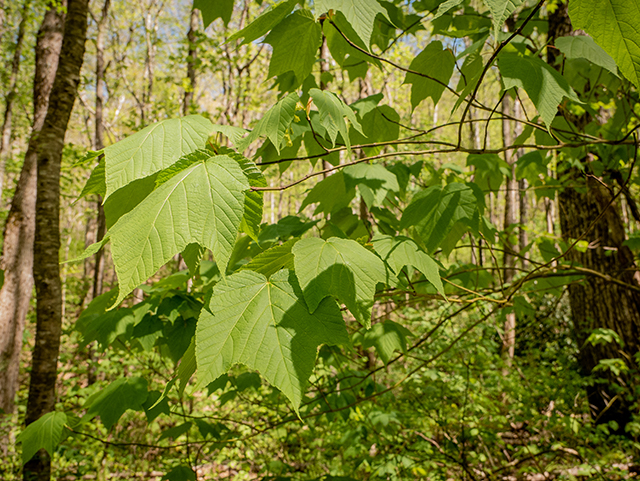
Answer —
111 403
214 9
359 13
435 64
615 26
341 268
265 325
45 433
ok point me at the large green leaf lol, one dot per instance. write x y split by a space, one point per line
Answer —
96 182
295 43
401 251
331 194
153 149
436 212
436 62
201 204
544 85
615 26
387 337
501 10
212 9
582 46
274 123
45 433
333 112
265 325
111 402
265 22
341 268
359 13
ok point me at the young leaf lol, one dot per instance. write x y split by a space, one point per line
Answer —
436 62
582 46
45 432
264 22
153 149
545 86
295 42
265 325
272 260
274 123
111 402
333 112
203 204
401 251
341 268
615 26
359 13
213 9
501 10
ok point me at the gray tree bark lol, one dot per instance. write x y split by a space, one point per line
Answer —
17 256
47 237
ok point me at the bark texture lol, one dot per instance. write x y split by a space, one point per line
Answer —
7 124
597 302
47 237
192 60
17 256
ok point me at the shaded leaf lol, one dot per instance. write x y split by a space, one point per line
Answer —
265 325
436 62
44 433
341 268
111 402
213 9
582 46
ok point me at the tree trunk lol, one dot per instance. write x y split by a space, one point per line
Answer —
510 213
192 59
17 258
7 124
596 302
47 238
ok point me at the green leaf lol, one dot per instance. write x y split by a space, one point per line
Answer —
436 211
333 112
234 134
582 46
501 10
489 171
265 22
46 432
176 431
153 149
295 43
436 62
274 123
341 268
187 366
192 255
272 260
181 473
401 251
373 181
96 182
615 26
111 402
445 7
253 199
361 14
213 9
125 199
387 337
265 325
203 204
544 85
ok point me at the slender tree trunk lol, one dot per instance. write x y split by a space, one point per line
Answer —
47 239
7 124
510 212
192 60
101 88
17 257
596 302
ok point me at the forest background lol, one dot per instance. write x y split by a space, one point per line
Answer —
433 202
